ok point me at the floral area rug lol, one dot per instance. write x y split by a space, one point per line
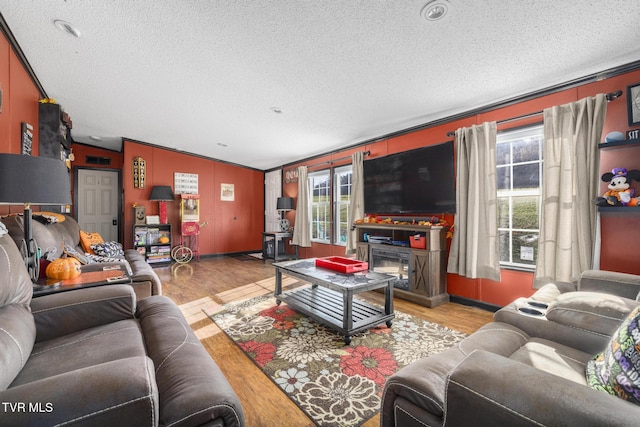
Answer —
333 383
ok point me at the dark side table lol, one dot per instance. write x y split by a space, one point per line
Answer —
97 274
274 246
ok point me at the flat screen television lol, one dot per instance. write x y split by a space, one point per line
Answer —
420 181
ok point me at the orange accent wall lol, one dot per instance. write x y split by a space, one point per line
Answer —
19 104
231 226
620 232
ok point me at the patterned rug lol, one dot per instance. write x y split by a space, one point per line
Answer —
333 383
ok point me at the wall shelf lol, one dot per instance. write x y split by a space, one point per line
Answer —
626 210
619 144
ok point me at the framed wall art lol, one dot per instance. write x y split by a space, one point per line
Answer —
227 192
633 104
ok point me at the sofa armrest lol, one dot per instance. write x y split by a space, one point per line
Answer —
500 392
63 313
202 393
118 393
610 282
142 271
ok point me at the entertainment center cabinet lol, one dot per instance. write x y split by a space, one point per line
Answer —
421 275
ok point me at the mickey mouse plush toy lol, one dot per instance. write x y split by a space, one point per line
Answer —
619 193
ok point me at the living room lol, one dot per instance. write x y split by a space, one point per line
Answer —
235 227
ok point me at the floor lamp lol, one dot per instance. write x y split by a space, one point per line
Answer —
162 194
32 180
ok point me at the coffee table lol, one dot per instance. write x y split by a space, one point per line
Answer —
329 300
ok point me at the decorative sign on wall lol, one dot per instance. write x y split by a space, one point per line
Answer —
185 183
27 138
139 172
291 175
227 192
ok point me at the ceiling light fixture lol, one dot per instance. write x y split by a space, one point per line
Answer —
435 10
276 110
67 28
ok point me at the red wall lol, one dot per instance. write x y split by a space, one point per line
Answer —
620 232
231 226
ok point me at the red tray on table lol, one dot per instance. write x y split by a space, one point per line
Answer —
342 264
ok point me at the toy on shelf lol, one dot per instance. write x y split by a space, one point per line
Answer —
620 192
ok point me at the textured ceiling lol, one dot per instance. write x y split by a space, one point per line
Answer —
191 75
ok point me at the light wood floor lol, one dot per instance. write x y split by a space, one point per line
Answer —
214 281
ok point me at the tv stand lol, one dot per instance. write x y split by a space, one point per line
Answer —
426 273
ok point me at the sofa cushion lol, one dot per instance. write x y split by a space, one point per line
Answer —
89 347
108 249
87 239
617 369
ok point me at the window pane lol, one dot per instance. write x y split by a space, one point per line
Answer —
503 212
504 246
504 178
525 247
526 150
503 155
526 176
525 212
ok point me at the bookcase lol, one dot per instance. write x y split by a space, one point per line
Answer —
154 242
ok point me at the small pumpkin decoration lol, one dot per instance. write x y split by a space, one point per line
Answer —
63 268
163 240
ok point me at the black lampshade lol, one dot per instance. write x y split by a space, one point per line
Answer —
33 180
161 193
284 204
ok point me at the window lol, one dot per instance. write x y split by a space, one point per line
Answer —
519 179
320 195
342 196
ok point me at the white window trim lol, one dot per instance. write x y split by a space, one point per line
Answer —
310 176
512 135
337 203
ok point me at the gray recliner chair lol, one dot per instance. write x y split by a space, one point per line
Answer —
527 368
94 356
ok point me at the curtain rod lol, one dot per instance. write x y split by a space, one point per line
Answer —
366 153
609 97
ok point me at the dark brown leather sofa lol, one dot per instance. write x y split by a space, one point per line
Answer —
96 357
145 281
525 368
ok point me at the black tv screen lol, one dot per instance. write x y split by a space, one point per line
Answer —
419 181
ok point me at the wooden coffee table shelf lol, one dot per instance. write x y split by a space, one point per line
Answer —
329 299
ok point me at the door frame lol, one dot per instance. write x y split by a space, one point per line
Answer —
120 213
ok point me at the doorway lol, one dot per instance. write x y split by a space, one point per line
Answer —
96 201
272 190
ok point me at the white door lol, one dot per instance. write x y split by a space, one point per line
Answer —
97 202
272 190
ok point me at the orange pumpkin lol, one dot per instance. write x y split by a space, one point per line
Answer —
163 240
63 268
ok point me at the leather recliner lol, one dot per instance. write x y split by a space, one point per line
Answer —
526 368
96 357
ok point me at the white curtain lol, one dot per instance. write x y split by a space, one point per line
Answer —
474 248
302 228
356 202
568 220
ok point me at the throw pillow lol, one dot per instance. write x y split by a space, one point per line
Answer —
88 239
73 253
108 249
617 369
97 258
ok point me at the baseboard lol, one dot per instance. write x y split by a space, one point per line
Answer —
474 303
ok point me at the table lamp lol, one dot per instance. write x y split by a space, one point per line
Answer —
162 194
27 180
284 204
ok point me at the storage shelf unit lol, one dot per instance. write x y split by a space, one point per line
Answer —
428 277
147 241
